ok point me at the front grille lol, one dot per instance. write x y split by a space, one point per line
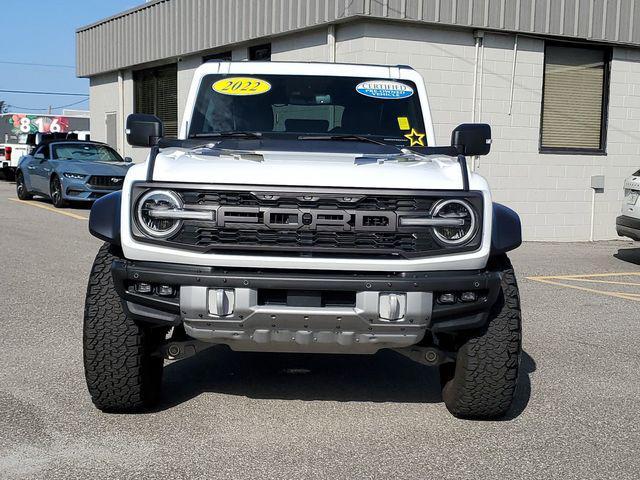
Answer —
362 242
256 232
106 181
318 201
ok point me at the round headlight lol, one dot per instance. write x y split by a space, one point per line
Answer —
153 203
457 210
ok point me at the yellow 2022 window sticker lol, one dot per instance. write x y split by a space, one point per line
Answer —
241 86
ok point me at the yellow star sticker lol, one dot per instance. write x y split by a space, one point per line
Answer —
416 138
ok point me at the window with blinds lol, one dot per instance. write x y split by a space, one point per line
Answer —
156 93
575 96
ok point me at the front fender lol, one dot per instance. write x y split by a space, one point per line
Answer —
506 234
104 219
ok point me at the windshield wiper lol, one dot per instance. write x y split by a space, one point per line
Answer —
344 138
227 135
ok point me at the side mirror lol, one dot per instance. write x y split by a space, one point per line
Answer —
39 156
128 159
143 130
471 139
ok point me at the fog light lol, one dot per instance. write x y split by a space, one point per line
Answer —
165 290
447 298
143 287
468 297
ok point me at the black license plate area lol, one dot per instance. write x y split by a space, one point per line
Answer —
306 298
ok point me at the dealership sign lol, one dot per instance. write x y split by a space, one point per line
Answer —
21 123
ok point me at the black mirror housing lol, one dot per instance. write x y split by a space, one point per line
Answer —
144 130
472 139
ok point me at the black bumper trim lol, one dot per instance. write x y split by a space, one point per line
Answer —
444 317
628 227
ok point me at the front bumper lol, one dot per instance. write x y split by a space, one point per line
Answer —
305 311
80 190
628 227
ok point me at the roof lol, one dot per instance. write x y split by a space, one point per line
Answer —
163 29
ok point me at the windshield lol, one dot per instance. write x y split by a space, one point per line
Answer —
83 151
301 105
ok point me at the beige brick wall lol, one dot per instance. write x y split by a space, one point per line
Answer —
103 91
301 47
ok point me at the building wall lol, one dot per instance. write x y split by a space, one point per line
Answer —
103 98
301 47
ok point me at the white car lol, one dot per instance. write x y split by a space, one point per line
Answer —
305 208
628 223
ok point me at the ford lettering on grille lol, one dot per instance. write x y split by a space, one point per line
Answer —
305 219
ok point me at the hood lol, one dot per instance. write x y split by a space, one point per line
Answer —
92 168
313 169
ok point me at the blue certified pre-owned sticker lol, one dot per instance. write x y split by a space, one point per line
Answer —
384 89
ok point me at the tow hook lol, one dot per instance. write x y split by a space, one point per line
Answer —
181 349
430 356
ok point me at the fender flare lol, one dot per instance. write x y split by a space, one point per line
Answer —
104 219
506 234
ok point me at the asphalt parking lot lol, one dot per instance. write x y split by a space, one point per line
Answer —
231 415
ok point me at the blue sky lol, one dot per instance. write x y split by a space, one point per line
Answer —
43 31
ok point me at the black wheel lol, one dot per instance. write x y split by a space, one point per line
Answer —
9 174
55 189
21 188
122 371
482 382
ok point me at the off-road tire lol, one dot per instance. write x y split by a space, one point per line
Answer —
21 188
123 374
55 193
482 382
9 174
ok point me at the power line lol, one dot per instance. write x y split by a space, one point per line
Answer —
71 104
47 108
29 64
26 92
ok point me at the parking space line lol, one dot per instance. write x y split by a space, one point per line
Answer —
552 280
588 275
47 207
610 282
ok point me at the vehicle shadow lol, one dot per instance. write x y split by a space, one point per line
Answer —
385 377
70 206
629 255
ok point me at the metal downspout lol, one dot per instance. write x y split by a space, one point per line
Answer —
121 119
513 73
331 43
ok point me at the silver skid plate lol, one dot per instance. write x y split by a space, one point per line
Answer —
234 317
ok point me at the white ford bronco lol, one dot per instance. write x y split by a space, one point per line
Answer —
304 208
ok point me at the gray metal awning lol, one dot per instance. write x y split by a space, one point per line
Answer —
171 28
